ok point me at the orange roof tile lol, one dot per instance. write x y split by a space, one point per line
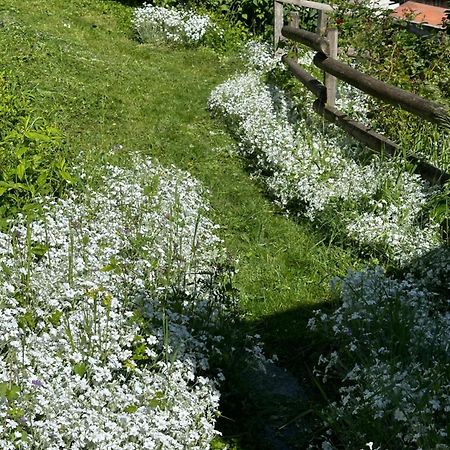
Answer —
420 13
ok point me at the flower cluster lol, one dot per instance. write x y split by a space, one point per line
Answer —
374 201
97 299
158 24
391 351
259 56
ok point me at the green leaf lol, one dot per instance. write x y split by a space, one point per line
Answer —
42 178
16 413
20 151
36 160
131 409
60 163
158 400
112 266
55 318
80 369
66 176
37 137
27 320
9 390
20 186
20 170
441 211
54 131
39 249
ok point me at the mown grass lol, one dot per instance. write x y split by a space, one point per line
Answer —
105 90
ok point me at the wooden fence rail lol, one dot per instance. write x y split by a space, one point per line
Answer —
379 143
312 40
416 105
325 43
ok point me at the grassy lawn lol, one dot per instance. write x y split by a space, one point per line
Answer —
104 90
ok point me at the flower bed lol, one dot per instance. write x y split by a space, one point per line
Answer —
158 24
319 172
386 361
97 300
390 342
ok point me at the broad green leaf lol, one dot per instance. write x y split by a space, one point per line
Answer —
9 390
42 178
20 170
66 176
35 136
80 369
39 249
20 151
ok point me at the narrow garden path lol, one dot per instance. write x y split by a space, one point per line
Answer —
104 90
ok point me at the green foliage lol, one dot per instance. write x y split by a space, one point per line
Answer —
32 162
385 49
9 391
440 210
226 37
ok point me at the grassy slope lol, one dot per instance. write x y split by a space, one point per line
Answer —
104 89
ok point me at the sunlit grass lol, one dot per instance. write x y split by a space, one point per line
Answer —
104 90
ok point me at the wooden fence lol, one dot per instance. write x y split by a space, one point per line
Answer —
325 43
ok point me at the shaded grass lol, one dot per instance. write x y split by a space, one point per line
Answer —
105 91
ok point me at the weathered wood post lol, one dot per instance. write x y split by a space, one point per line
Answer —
294 19
330 80
322 21
277 22
331 35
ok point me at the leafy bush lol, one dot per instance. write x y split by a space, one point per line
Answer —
32 160
98 339
159 24
173 25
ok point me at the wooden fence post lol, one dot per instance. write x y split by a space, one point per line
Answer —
330 80
294 19
322 21
277 22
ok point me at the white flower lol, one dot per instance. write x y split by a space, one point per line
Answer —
155 23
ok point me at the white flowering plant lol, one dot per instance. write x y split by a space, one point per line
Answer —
387 367
323 175
100 301
390 354
159 24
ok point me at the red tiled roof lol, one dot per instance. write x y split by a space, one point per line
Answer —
420 13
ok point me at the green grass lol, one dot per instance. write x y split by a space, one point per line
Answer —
103 89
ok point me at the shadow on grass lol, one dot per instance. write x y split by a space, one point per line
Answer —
274 406
277 406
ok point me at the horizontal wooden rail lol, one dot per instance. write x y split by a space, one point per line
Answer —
307 38
312 84
308 4
359 131
378 142
419 106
